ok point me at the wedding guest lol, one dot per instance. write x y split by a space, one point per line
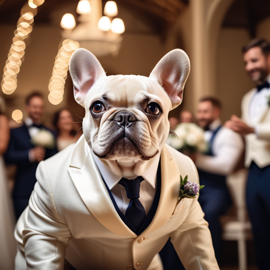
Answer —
255 126
186 117
224 152
23 153
64 125
7 221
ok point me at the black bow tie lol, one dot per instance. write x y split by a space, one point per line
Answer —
36 126
262 86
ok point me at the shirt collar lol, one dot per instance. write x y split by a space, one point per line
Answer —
28 122
112 179
215 124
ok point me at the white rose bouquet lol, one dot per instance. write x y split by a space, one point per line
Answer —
44 138
189 138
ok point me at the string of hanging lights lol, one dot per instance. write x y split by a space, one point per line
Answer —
100 34
60 69
16 53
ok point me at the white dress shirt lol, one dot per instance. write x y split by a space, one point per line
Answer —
258 104
32 132
227 148
147 187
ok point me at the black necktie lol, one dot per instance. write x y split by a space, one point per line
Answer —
264 85
135 212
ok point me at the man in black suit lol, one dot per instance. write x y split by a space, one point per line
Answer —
23 153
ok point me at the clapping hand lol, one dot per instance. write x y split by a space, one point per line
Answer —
238 125
39 153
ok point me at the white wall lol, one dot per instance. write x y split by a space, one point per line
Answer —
263 29
232 80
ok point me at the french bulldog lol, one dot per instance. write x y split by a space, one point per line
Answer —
126 116
125 128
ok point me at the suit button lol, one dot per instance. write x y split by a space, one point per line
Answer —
139 264
141 239
130 266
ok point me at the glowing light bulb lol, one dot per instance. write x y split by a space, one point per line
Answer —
83 7
28 16
54 101
68 21
32 4
118 26
37 2
104 23
110 9
17 115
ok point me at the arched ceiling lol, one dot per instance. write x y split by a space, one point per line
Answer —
247 14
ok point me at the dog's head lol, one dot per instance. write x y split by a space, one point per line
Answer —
126 117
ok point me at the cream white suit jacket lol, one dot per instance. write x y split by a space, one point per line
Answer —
257 145
70 215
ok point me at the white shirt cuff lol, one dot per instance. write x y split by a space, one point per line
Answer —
256 131
31 155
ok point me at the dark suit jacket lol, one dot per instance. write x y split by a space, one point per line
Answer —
18 154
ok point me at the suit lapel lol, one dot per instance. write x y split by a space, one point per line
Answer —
170 186
93 192
247 105
27 135
265 111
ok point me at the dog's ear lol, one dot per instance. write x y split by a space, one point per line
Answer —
172 72
85 70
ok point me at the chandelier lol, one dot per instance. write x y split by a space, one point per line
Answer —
99 34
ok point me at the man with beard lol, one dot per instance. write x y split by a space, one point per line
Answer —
224 150
255 126
23 153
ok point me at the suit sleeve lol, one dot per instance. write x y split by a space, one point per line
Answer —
262 130
45 235
228 153
13 155
192 240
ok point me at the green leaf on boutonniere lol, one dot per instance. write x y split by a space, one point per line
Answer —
188 189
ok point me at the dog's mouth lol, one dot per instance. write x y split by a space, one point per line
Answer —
123 144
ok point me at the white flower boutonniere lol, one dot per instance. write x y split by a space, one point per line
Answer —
188 189
43 138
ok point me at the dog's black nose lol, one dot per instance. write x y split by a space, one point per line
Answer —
125 119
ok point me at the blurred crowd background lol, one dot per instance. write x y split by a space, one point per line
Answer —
38 38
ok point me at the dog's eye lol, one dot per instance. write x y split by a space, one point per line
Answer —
98 107
153 108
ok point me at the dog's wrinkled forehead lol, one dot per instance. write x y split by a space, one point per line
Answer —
127 91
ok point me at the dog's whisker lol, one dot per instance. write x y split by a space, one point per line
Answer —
173 133
77 132
78 116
